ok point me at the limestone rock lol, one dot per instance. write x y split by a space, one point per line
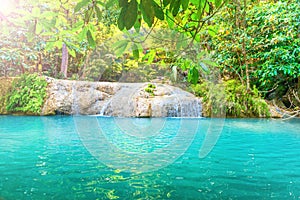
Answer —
119 99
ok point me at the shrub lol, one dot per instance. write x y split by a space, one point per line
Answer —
27 94
234 97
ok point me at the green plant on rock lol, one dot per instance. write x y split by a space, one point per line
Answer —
27 94
150 89
239 101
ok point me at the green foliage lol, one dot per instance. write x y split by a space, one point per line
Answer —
272 43
276 49
150 89
5 88
234 96
27 94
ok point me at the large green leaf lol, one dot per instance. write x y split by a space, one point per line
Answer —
131 14
128 15
147 8
174 6
159 13
185 4
121 18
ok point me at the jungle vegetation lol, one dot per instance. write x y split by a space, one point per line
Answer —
249 49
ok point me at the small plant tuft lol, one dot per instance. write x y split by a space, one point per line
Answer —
150 89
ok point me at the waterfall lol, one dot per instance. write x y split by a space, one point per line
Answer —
186 106
104 108
75 106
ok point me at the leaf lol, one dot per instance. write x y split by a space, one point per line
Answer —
80 5
195 2
72 52
120 47
90 39
131 14
98 13
122 16
158 11
193 75
137 25
87 15
174 6
147 8
166 2
170 19
209 62
128 15
218 3
135 51
185 4
82 34
212 32
38 28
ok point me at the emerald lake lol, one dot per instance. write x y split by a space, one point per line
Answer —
93 157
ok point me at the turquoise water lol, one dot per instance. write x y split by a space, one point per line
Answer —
106 158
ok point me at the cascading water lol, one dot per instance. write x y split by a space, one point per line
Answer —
75 106
184 106
121 104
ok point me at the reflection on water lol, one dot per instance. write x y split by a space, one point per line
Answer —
46 158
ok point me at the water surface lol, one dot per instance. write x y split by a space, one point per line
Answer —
51 158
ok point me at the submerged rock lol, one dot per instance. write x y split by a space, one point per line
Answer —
119 99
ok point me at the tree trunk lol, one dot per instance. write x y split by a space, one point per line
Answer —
64 60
